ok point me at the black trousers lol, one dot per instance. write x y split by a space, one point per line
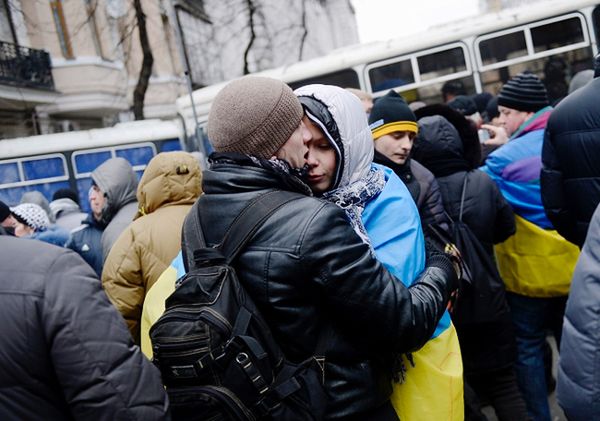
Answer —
385 412
500 389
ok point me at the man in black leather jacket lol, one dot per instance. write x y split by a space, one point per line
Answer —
306 268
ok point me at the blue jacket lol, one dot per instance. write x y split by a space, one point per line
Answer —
516 166
86 240
53 235
578 388
398 242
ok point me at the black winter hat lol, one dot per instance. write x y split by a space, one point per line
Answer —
65 194
392 114
464 105
4 211
491 110
524 92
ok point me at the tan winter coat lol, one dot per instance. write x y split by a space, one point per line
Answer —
169 186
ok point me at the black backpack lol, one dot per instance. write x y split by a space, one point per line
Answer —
216 353
483 298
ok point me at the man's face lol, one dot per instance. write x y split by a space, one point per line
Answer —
97 201
511 119
294 150
396 146
321 159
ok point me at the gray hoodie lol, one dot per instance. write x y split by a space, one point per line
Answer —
118 181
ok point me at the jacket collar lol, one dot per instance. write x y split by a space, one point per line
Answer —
537 121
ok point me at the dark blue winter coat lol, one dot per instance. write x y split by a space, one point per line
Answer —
570 177
86 240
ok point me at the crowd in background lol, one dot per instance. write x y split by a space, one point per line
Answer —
516 176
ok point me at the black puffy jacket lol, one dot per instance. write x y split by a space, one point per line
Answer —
65 352
570 178
485 211
307 267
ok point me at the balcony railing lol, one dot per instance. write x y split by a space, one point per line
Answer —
25 67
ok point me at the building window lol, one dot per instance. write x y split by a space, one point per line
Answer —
91 7
7 30
61 28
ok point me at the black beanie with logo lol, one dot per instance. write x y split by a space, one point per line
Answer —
390 114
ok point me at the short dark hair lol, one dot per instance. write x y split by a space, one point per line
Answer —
453 87
66 194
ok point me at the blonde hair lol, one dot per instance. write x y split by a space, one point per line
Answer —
360 94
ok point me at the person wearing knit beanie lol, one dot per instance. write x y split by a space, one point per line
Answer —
30 218
394 127
392 114
257 116
524 92
519 99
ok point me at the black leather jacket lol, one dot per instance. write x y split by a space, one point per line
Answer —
306 267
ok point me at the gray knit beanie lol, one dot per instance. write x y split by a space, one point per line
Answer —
524 92
253 116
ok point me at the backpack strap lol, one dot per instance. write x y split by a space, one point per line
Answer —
251 219
462 197
244 226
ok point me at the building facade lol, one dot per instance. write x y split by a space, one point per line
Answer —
74 64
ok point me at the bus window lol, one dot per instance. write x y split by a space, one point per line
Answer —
346 78
44 168
432 93
86 162
596 23
45 174
9 173
170 145
137 155
391 75
442 63
502 48
557 34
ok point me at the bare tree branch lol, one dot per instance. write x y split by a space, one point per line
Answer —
304 31
146 71
251 11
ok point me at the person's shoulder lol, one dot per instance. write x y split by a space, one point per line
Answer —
310 209
24 255
480 179
420 171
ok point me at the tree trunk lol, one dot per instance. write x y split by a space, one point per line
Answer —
146 71
251 11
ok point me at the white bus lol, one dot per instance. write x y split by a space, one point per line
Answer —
47 163
481 52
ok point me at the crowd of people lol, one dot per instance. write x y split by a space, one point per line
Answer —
413 332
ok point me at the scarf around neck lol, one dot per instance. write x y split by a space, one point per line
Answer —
353 198
291 178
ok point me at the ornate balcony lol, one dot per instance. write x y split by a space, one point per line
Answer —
25 67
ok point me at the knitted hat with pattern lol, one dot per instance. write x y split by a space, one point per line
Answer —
391 114
31 215
253 116
524 92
